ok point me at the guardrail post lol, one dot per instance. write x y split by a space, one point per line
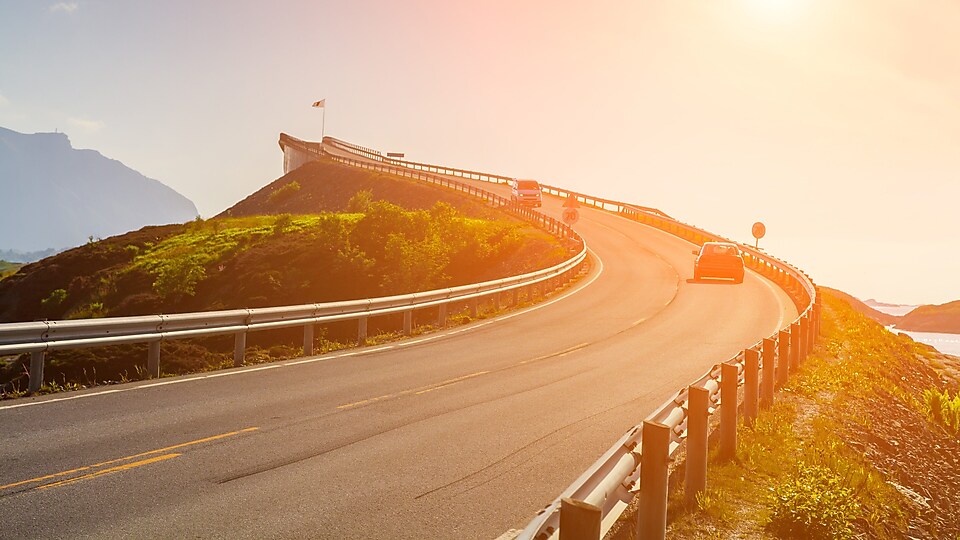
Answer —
36 371
474 307
794 346
783 356
408 322
729 376
362 331
153 359
804 334
768 353
655 449
307 339
579 520
811 328
496 301
515 300
751 385
442 315
698 417
239 348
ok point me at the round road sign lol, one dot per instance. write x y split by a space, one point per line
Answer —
759 229
570 216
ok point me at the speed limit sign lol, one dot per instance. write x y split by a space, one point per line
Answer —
570 216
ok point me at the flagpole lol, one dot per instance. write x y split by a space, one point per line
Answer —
323 120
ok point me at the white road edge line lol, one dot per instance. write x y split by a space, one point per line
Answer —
325 358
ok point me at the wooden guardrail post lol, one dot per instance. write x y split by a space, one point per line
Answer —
655 452
36 371
767 378
728 411
783 357
698 417
804 336
751 385
239 348
811 328
153 359
579 520
794 346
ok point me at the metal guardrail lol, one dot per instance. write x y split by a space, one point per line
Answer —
637 464
39 337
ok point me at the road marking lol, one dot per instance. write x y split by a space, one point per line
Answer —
452 382
556 354
127 458
111 470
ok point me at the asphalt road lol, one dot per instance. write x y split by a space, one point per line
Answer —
462 433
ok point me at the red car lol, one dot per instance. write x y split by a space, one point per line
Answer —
718 260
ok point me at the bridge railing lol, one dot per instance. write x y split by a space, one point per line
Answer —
637 465
36 338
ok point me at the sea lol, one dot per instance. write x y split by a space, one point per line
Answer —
945 343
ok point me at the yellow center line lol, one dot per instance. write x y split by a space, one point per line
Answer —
418 391
111 470
127 458
451 382
557 354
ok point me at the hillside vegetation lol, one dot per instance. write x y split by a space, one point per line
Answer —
943 318
8 268
362 248
863 442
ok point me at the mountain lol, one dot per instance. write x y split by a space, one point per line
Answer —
55 196
897 310
943 318
863 307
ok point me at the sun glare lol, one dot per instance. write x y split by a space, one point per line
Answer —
776 10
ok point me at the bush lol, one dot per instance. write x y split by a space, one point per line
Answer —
284 192
942 409
813 503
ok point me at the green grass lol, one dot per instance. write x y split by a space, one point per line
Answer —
179 262
8 268
794 476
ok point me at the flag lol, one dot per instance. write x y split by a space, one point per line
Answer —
320 103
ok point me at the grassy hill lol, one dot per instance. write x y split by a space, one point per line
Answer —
941 318
8 268
862 442
337 248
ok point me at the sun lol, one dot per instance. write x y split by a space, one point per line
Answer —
776 10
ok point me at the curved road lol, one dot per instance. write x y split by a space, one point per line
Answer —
463 433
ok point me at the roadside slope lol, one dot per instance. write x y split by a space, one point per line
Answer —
864 441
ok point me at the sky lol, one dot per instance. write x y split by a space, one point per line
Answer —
834 122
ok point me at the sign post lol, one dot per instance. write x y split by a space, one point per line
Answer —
570 213
759 230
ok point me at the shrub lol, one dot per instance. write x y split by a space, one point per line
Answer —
284 192
942 409
813 503
359 203
55 298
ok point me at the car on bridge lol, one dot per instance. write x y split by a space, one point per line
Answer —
525 192
718 260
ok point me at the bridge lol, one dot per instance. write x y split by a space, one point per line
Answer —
461 433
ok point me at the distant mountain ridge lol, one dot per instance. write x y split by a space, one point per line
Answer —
943 318
55 196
